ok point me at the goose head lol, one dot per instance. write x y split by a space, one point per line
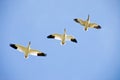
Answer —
88 19
29 43
64 30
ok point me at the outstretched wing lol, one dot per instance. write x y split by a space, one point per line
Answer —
36 53
71 38
18 47
80 21
94 25
55 36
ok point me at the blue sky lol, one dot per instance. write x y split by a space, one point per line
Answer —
96 56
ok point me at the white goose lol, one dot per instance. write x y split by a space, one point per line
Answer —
63 37
27 50
87 23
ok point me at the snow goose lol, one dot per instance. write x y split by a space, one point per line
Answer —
87 23
27 50
63 37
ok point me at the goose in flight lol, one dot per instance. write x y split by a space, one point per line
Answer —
27 50
63 37
87 23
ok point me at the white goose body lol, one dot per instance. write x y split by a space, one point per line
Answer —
27 50
87 23
63 37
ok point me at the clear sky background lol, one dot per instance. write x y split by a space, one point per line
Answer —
96 56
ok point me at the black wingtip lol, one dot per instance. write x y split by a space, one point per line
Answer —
76 20
13 46
50 36
41 54
74 40
98 27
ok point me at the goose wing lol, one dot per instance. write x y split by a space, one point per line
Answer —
55 36
94 25
18 47
71 38
36 53
80 21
